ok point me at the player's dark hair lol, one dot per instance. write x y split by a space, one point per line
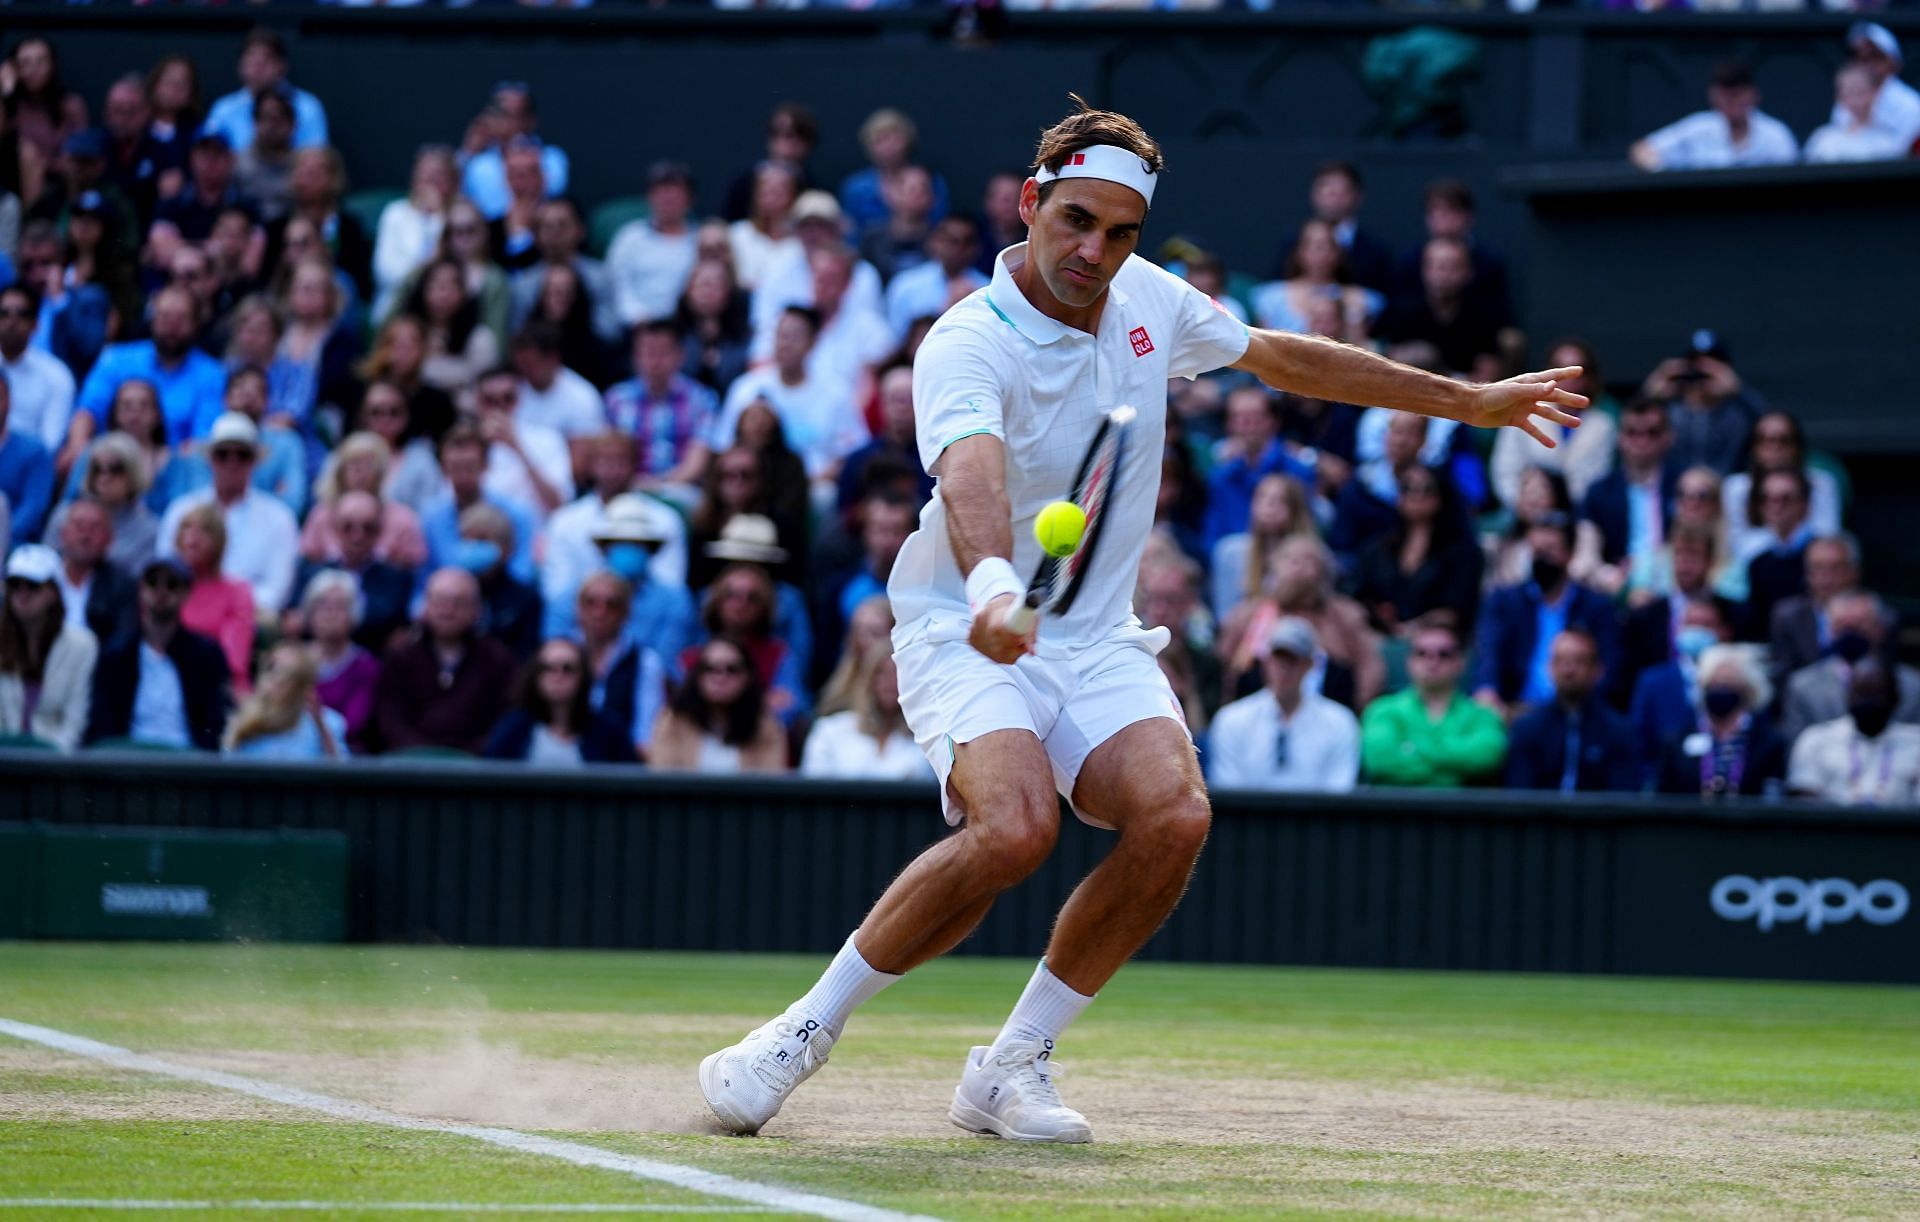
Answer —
1087 127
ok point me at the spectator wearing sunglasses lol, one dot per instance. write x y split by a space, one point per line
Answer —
717 722
552 721
264 539
166 686
1285 738
1430 735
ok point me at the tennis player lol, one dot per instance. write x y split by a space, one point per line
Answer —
1008 390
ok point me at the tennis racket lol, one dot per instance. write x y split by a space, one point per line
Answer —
1056 582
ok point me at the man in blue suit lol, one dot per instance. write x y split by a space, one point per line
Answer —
1519 622
1575 744
1632 505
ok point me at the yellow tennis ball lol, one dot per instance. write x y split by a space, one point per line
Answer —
1059 528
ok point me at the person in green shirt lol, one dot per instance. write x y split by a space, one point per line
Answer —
1430 734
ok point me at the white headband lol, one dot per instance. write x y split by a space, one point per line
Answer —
1107 162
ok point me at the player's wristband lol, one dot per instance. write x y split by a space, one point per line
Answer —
991 578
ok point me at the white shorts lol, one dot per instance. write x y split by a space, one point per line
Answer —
951 693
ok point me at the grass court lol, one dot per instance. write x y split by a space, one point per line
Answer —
1214 1092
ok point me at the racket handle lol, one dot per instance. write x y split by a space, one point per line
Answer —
1021 618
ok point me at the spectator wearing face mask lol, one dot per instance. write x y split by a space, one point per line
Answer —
661 613
627 678
1802 628
1818 692
1519 623
1864 757
1666 695
1732 750
509 608
574 547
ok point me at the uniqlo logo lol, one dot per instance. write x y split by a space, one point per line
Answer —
1142 342
1077 159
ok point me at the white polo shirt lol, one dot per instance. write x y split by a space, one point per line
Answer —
1704 141
1322 746
995 364
1835 762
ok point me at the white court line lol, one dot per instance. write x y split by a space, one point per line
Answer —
420 1207
691 1178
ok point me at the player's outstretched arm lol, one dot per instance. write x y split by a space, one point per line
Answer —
1321 368
973 487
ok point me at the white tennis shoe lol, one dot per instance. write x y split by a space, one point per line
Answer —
746 1084
1013 1095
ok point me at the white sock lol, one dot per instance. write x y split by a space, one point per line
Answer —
1043 1011
848 981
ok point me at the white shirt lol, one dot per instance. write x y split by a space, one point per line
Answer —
822 423
1834 761
1583 456
1370 437
995 365
160 704
649 270
851 343
1895 113
1840 142
263 542
787 280
570 407
42 396
838 747
922 291
405 242
754 252
1704 141
73 597
1322 751
507 476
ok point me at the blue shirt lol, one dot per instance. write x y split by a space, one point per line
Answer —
440 523
232 115
302 742
1550 619
865 204
1230 488
191 394
485 179
26 480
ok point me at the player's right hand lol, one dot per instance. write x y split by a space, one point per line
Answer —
991 636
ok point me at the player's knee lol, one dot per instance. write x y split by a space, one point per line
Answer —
1182 824
1018 836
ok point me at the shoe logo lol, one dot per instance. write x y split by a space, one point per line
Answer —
781 1056
993 1094
804 1033
1046 1050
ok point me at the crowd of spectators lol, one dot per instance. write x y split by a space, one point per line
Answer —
278 483
1876 117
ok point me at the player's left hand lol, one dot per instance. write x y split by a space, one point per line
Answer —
1518 400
